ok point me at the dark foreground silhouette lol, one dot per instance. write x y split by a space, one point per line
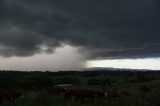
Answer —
80 88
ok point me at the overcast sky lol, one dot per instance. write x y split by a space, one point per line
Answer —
32 30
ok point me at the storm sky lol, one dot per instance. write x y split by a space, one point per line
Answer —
89 29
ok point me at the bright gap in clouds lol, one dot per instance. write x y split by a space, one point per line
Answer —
147 63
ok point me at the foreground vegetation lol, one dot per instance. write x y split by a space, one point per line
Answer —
135 88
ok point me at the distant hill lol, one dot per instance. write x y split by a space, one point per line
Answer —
116 69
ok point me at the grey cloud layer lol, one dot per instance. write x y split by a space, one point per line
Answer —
110 29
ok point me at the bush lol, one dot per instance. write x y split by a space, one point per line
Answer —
37 81
145 88
93 82
67 80
43 99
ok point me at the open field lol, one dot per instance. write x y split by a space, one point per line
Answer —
123 88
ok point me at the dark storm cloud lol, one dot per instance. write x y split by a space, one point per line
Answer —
110 29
